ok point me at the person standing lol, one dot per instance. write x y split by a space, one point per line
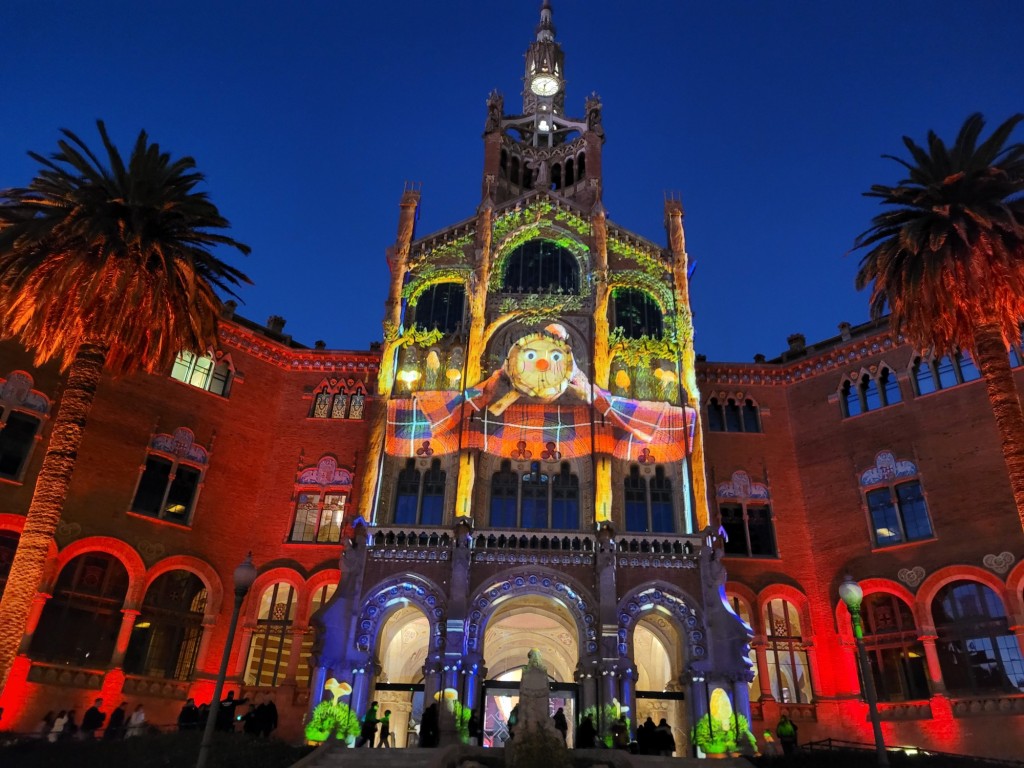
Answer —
46 725
385 730
369 728
664 741
586 733
137 723
57 729
786 731
429 727
473 727
561 724
226 713
188 718
92 721
115 726
266 716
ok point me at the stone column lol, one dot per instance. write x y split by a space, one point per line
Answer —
764 682
128 616
627 695
931 656
35 612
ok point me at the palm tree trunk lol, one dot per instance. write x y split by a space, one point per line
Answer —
994 364
48 500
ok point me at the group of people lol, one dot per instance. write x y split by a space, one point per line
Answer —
370 723
62 726
259 720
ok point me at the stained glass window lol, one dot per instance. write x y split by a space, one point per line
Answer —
321 405
356 411
340 406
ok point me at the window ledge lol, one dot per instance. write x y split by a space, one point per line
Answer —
194 388
950 389
874 410
289 542
902 544
159 520
753 558
10 481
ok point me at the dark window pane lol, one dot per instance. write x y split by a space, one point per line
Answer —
751 420
441 307
8 545
540 266
433 495
914 511
762 533
890 387
220 379
946 373
637 314
884 518
662 513
182 494
923 377
968 370
851 399
535 500
636 501
152 486
872 399
565 500
735 530
16 439
716 422
407 495
732 417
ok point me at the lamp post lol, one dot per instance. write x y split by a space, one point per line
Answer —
852 594
244 576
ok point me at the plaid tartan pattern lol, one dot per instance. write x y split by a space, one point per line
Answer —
649 432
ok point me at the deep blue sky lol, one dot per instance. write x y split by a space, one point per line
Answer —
307 117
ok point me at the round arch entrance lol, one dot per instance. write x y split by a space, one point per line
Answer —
658 659
517 626
402 648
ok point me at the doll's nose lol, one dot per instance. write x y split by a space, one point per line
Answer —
541 365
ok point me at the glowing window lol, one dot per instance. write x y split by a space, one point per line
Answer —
788 668
166 636
203 372
540 266
270 646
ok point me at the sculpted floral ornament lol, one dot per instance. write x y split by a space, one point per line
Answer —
912 577
999 563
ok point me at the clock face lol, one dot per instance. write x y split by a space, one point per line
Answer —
544 85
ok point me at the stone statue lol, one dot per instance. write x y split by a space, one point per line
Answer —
535 741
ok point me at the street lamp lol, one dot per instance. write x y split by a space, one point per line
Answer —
244 576
852 594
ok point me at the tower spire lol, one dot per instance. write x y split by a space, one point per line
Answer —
546 28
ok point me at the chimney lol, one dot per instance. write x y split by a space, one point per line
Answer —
275 324
759 358
319 344
797 342
844 331
227 309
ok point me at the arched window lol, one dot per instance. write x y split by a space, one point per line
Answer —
165 639
931 373
504 164
537 499
895 501
581 166
440 306
746 514
556 176
637 314
514 175
894 652
319 517
733 415
870 392
540 266
977 650
203 372
270 647
649 507
742 609
80 623
22 411
419 496
171 477
303 673
8 546
788 669
570 177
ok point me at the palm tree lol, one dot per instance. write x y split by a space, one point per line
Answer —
101 267
947 260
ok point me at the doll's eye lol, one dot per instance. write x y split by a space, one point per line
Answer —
531 354
556 357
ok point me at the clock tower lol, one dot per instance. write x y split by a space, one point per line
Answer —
537 475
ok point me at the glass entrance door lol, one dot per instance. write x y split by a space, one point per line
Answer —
500 696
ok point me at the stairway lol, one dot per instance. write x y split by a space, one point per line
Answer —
456 756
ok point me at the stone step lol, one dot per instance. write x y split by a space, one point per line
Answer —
425 758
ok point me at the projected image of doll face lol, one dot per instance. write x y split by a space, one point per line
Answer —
540 366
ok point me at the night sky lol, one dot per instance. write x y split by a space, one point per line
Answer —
307 118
